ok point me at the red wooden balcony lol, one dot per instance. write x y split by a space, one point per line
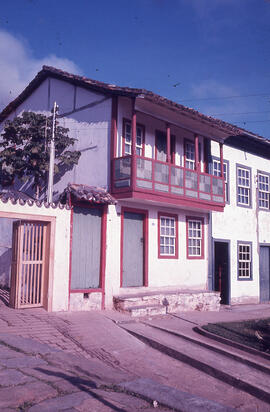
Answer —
143 178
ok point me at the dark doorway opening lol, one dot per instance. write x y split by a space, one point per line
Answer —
221 280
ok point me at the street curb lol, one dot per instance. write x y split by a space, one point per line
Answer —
170 397
234 356
229 342
210 370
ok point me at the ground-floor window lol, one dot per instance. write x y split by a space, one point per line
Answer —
195 238
167 236
244 260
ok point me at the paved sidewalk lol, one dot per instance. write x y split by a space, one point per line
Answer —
97 336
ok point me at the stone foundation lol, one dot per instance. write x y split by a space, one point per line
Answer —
85 301
168 302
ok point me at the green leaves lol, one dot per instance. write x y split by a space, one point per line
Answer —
24 148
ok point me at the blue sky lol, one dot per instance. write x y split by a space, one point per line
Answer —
199 53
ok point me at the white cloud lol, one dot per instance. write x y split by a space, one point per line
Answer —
224 102
18 66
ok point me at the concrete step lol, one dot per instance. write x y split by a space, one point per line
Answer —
252 358
146 310
229 370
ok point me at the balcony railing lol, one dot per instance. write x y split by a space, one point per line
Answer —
149 175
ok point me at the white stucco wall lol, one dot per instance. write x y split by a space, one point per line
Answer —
238 223
183 272
60 276
91 128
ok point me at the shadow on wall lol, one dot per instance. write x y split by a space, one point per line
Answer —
5 267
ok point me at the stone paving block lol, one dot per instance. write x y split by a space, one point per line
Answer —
28 393
61 403
69 385
95 370
6 353
46 373
25 345
22 362
11 377
173 398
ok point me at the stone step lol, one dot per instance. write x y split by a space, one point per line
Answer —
174 301
123 303
238 374
146 310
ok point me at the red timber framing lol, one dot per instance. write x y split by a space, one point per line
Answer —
102 251
149 179
145 242
113 133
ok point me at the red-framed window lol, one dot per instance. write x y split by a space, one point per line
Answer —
127 141
161 147
167 236
195 237
189 155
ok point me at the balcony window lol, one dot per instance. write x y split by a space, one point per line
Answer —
216 171
127 140
161 147
189 155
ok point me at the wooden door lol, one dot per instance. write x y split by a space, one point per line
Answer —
29 269
133 249
86 248
264 274
222 282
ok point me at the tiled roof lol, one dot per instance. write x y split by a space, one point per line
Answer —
15 196
112 89
89 194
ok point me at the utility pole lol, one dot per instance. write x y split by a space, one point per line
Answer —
52 155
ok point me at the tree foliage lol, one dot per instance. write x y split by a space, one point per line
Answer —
24 149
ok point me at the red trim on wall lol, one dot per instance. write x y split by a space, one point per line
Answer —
102 251
145 237
175 256
113 134
167 198
70 254
201 219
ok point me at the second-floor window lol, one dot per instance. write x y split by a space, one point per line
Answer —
189 155
263 190
217 172
127 143
243 178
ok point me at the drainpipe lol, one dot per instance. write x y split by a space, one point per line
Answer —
52 155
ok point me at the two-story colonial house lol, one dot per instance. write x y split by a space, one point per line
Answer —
170 208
